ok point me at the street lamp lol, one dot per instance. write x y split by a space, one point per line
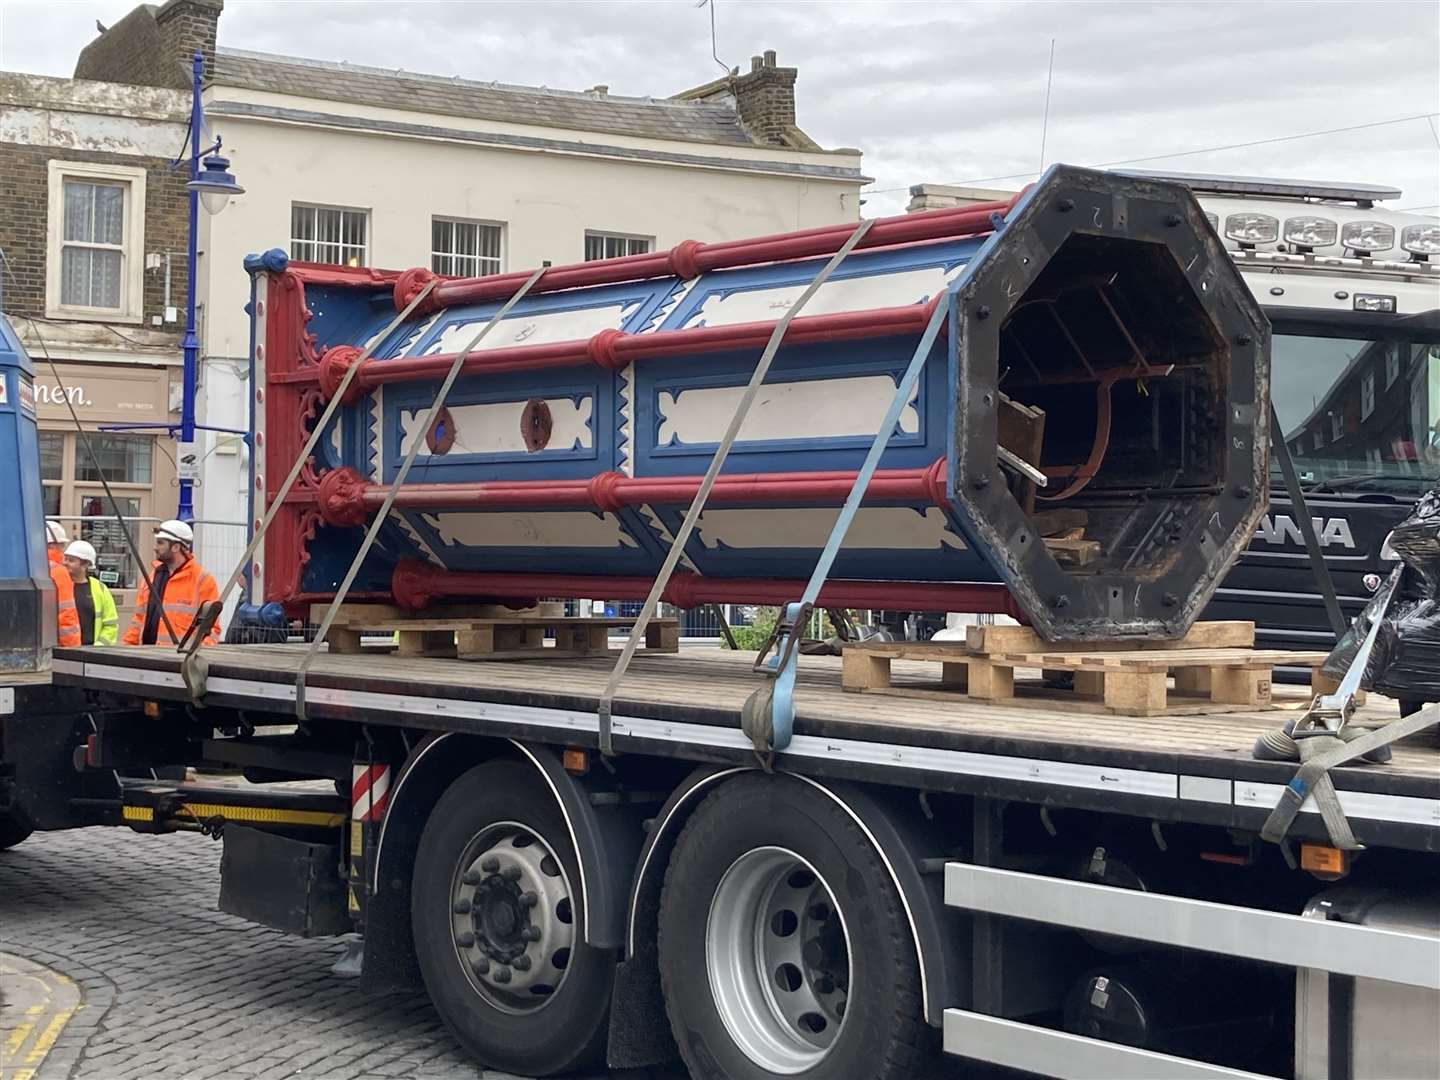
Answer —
212 184
215 184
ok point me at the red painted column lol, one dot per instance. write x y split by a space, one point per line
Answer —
690 258
614 349
346 498
416 583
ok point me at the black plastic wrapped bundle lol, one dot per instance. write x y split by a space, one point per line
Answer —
1405 662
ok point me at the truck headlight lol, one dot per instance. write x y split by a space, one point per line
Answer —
1368 236
1252 228
1421 239
1311 232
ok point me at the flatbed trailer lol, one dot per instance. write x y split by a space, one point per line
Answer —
1195 768
976 856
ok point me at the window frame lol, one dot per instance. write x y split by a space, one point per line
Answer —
73 491
363 211
1367 394
605 234
483 223
132 247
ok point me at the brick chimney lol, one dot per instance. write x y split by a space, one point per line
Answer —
765 100
153 46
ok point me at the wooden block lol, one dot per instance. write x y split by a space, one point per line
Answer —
509 637
588 635
478 639
955 675
662 637
864 669
1192 680
425 642
1203 635
1073 552
342 641
988 681
363 613
1089 683
1240 686
1059 522
1137 693
1021 430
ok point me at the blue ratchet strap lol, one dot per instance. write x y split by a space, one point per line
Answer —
769 715
697 504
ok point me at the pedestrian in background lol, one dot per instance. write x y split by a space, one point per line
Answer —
178 586
94 603
67 631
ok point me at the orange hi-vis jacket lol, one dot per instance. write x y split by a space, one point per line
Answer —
186 590
68 631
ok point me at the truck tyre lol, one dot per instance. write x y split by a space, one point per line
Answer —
12 831
498 923
784 948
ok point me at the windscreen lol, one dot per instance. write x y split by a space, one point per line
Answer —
1359 413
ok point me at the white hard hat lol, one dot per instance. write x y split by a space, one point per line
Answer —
176 530
54 532
82 550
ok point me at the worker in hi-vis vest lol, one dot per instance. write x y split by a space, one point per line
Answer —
94 603
178 586
67 631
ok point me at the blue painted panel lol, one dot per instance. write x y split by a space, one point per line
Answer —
346 315
333 549
639 300
642 558
946 255
878 356
942 563
552 463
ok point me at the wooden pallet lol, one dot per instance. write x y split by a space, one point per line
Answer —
1212 669
492 636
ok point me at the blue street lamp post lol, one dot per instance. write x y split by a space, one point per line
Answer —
212 184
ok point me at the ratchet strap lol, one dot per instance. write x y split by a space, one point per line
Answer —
1320 740
768 716
682 535
209 613
1318 755
384 512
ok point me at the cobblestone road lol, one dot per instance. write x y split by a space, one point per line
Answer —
175 990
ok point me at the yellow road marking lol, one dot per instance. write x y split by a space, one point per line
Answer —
21 1032
30 1035
48 1036
17 1037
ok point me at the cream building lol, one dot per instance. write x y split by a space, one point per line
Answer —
349 164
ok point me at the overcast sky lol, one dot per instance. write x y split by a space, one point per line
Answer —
939 92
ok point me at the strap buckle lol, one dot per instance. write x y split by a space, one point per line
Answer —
783 639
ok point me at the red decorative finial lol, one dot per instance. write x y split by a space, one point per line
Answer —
413 583
342 498
408 286
333 366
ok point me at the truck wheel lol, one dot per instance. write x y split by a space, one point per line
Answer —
498 926
12 831
784 950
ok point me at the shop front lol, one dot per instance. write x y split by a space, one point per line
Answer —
139 466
